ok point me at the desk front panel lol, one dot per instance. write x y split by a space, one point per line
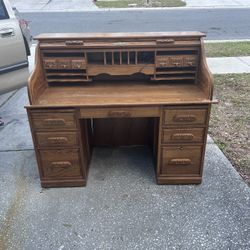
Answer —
120 112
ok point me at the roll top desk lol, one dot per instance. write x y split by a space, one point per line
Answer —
99 89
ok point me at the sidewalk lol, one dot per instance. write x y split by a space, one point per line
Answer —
217 3
122 207
53 5
229 65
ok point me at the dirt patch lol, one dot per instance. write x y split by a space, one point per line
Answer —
230 120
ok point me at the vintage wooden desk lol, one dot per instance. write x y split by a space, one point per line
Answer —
99 89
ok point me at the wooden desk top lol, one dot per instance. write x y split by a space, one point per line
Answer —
116 94
183 34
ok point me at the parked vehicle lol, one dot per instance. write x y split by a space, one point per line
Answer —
15 42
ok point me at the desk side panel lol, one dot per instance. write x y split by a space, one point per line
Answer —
205 77
36 82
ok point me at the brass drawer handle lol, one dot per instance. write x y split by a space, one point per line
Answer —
76 42
180 161
58 140
191 63
176 64
58 122
184 118
183 136
119 114
61 164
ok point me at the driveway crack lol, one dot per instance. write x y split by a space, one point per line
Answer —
16 150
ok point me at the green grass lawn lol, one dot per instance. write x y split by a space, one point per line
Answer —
227 49
140 3
230 120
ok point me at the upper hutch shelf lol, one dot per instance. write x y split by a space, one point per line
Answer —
89 58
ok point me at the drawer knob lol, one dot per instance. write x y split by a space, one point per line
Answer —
58 122
58 140
184 118
119 114
183 136
180 161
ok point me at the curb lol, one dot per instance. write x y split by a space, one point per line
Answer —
140 9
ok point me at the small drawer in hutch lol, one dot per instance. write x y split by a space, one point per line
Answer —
181 160
56 139
60 163
195 116
53 120
176 61
183 135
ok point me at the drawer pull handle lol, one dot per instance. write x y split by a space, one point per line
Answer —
176 63
184 118
165 41
163 64
180 161
74 42
119 114
60 164
183 136
59 122
58 140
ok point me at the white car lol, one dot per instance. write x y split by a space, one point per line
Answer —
15 41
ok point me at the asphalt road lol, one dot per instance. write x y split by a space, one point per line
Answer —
216 23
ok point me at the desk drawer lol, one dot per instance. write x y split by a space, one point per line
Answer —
53 120
146 111
60 163
56 63
57 139
182 135
196 116
181 160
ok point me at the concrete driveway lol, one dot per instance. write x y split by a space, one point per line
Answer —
121 207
